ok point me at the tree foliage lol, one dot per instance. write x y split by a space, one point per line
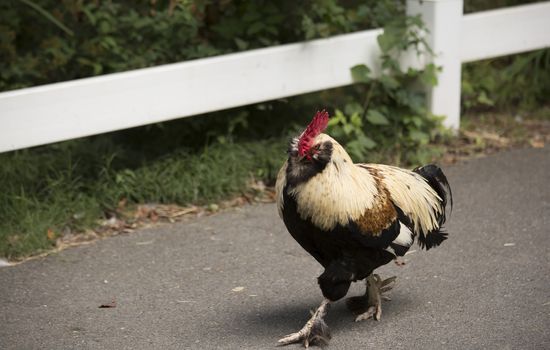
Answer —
45 41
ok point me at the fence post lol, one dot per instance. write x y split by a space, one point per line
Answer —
443 19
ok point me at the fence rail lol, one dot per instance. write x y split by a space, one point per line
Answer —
505 31
62 111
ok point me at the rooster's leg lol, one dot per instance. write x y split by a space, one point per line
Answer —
372 300
314 331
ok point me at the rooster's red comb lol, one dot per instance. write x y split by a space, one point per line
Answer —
317 126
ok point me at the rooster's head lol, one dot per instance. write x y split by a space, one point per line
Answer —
312 150
308 147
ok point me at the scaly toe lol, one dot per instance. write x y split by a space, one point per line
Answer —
387 284
314 333
374 312
290 338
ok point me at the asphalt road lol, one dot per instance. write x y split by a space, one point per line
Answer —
237 280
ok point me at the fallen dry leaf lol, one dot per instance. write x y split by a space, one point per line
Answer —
183 212
122 203
537 143
50 234
108 305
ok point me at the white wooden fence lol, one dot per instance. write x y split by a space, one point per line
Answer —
62 111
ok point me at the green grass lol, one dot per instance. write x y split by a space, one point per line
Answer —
68 187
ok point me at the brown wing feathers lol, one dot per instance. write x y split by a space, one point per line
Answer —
420 196
381 215
379 226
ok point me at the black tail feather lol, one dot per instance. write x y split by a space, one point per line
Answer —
432 239
438 181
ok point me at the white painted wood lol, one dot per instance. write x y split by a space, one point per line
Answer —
443 20
57 112
505 31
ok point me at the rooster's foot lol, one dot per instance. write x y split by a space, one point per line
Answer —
315 331
370 304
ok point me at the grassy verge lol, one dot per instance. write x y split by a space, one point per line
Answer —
92 187
56 191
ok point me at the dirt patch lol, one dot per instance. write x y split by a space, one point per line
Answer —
486 134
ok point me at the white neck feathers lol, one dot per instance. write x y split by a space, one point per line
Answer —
342 191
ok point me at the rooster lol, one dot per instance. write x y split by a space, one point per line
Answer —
354 218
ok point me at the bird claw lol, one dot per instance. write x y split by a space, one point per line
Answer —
373 311
376 289
314 332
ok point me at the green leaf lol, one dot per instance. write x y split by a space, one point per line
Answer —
356 121
417 121
429 75
89 14
104 27
361 73
484 99
334 121
367 142
338 117
416 21
376 118
419 136
385 41
394 36
255 28
348 129
241 44
389 82
352 108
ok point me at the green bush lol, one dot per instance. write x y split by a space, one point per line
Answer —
484 5
45 41
518 82
512 83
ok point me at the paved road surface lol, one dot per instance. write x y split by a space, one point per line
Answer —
487 287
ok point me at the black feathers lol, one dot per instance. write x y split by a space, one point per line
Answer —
335 281
343 255
438 181
302 169
432 239
399 249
